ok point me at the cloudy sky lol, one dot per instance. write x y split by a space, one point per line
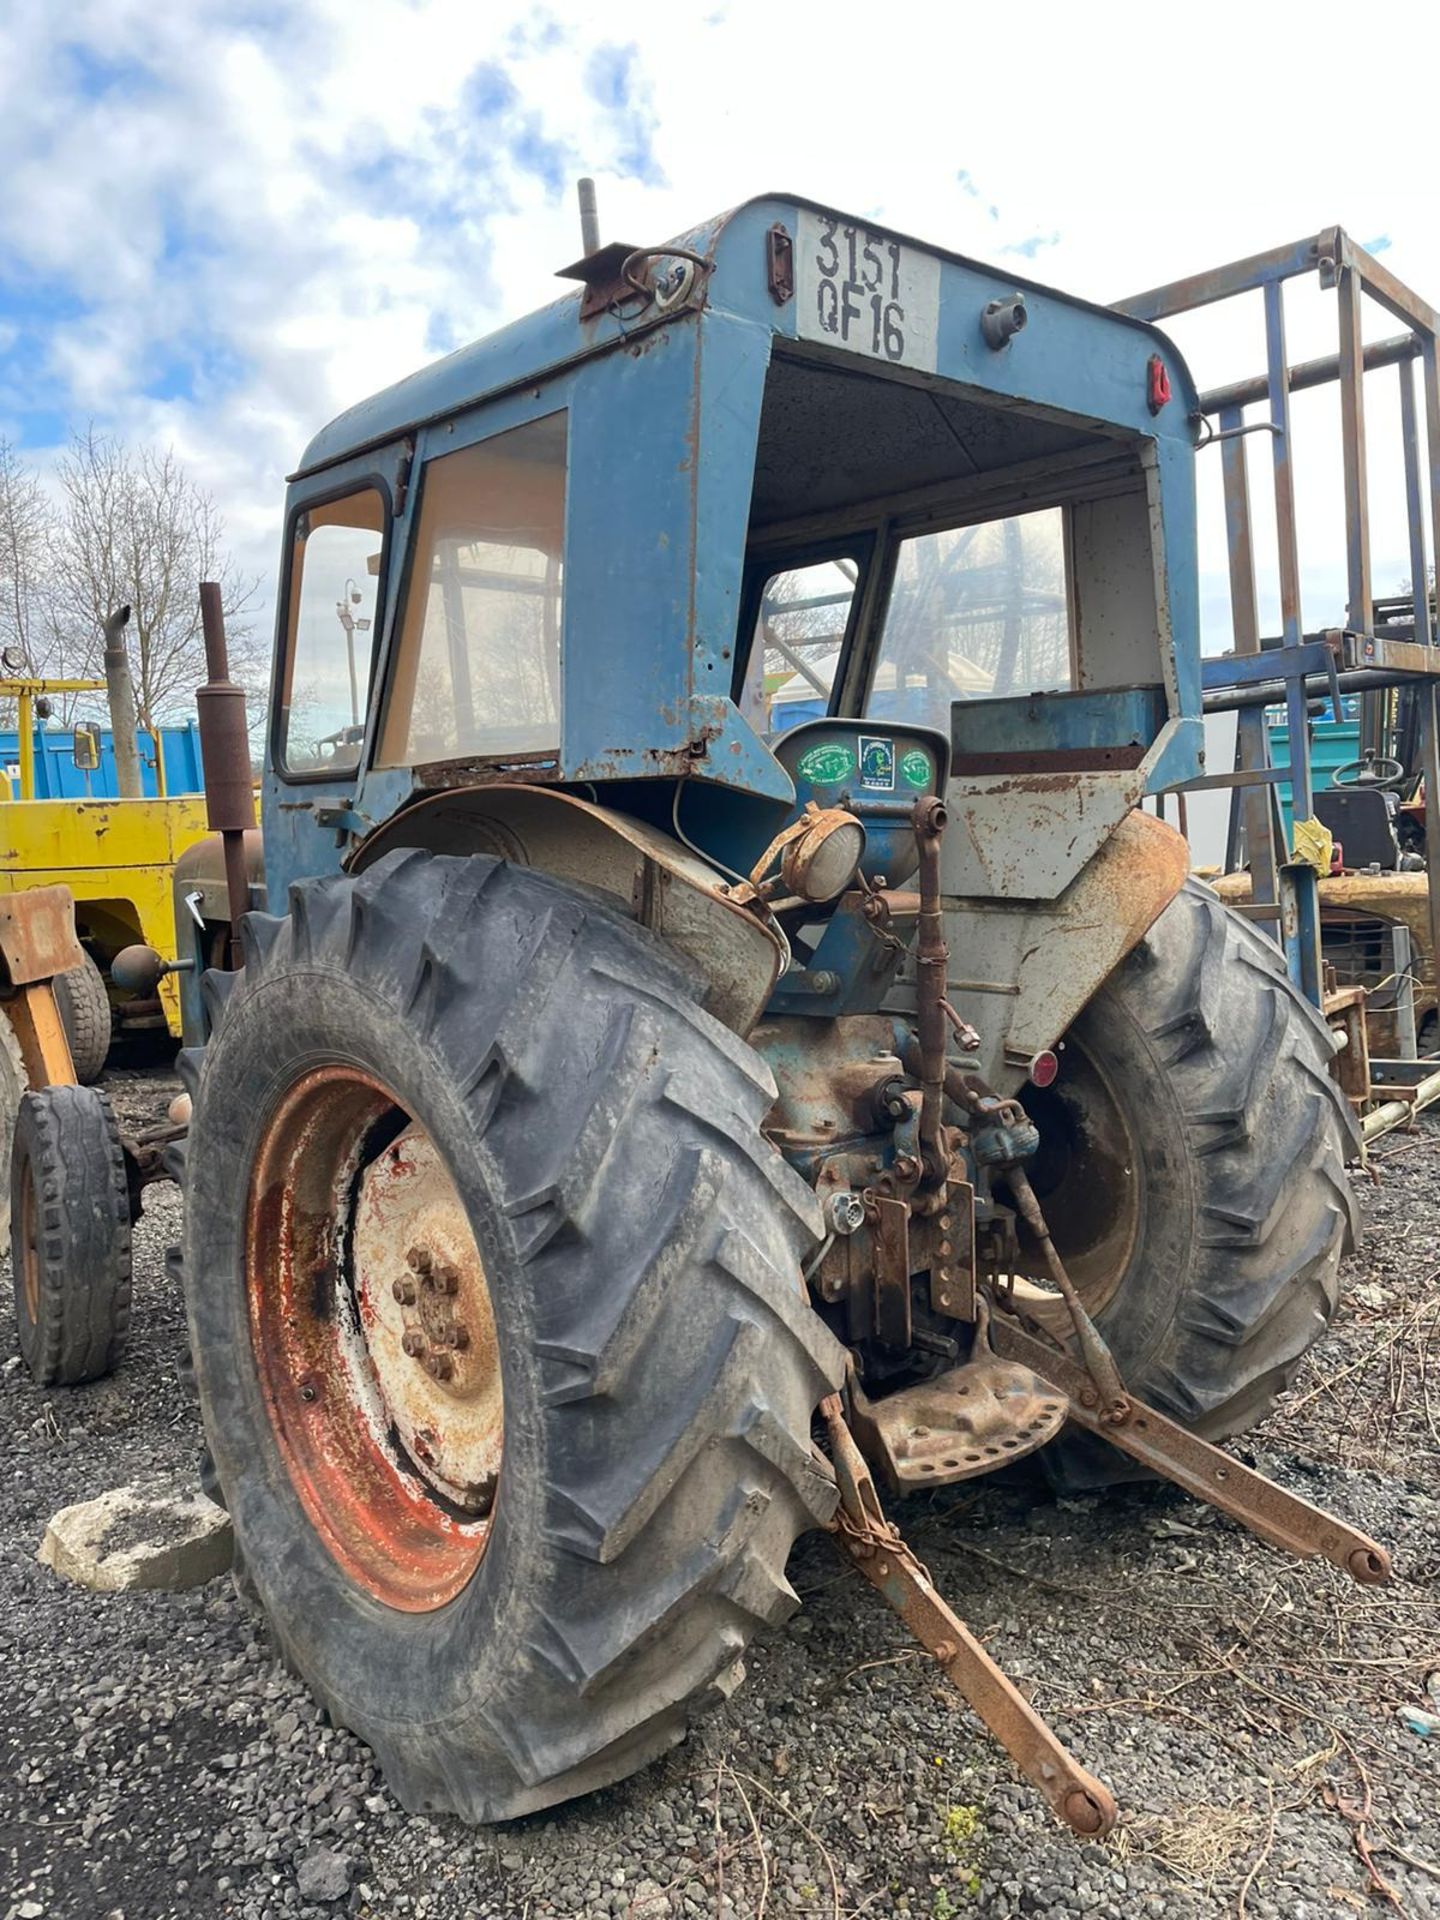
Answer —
224 220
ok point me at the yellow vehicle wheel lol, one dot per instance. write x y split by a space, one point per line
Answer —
84 1008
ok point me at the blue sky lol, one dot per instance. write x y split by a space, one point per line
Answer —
225 221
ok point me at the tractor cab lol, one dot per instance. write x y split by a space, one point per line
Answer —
789 475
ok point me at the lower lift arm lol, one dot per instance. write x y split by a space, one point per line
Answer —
875 1546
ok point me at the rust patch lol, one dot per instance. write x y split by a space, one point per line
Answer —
1051 761
326 1386
37 935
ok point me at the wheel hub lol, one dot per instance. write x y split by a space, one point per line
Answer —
375 1338
428 1322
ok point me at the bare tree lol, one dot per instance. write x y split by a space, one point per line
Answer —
136 530
24 542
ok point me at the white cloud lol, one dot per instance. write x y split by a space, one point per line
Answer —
229 221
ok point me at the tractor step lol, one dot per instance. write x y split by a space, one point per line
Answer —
965 1422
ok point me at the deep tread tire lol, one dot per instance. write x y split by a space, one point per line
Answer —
67 1152
85 1015
12 1090
643 1244
1246 1208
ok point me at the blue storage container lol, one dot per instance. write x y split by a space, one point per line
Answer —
58 778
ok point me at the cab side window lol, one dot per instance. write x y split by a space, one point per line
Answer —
478 660
335 560
799 635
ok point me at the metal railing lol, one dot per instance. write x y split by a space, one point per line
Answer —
1366 656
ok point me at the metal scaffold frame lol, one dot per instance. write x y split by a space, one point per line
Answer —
1375 652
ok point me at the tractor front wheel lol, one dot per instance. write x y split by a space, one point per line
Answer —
498 1329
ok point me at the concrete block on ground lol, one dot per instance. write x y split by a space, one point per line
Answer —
149 1535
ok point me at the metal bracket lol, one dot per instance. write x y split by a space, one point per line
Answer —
780 264
952 1277
874 1545
892 1273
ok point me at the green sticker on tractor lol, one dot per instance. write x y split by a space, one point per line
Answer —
826 766
915 766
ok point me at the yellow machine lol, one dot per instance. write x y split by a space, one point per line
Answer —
71 1191
115 856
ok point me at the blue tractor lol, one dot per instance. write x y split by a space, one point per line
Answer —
718 1042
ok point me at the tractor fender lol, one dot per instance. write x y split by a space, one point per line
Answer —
1022 970
658 883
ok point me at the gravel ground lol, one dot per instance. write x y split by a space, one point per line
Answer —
1246 1711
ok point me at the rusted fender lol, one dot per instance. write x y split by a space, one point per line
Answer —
1022 974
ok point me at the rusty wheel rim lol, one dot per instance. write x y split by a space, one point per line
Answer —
1085 1177
374 1337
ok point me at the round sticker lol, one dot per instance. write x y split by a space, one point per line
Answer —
915 766
826 766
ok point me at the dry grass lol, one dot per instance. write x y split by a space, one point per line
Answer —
1200 1844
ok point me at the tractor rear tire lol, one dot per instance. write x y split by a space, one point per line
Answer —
1228 1136
85 1015
640 1244
70 1236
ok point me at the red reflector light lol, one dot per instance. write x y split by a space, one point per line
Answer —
1043 1069
1158 384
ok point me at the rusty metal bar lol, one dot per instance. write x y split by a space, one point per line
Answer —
225 756
1252 805
1269 693
1280 449
1282 1518
1244 611
1239 276
873 1544
1430 368
1308 373
1099 1361
1428 697
932 965
1381 284
1414 505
